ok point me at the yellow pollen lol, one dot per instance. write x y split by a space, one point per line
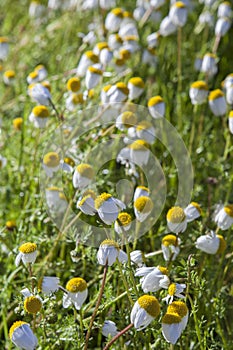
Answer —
51 159
143 204
139 145
172 289
15 325
41 111
102 45
176 215
229 210
69 161
178 307
131 38
144 125
17 123
144 188
128 119
154 101
106 88
90 193
118 38
215 94
201 85
46 84
164 270
39 67
124 219
170 240
94 58
11 224
95 70
83 200
110 243
76 285
9 74
222 244
91 93
33 75
101 199
117 12
171 318
122 87
85 170
124 54
127 14
32 304
73 84
3 39
197 206
150 304
53 188
77 99
179 4
137 81
120 62
231 114
28 248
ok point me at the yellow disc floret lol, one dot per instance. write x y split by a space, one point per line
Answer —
144 125
150 304
172 289
128 119
139 145
154 101
95 70
76 285
124 219
28 248
77 99
197 206
33 75
170 240
10 74
73 84
101 199
83 200
51 159
94 58
231 114
110 243
15 325
170 318
178 307
118 12
200 84
179 4
137 81
222 244
164 270
176 215
215 94
143 204
17 123
40 111
3 39
124 54
107 87
32 304
102 45
229 210
85 170
122 87
69 161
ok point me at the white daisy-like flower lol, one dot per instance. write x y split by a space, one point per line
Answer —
32 303
87 203
144 311
42 71
108 252
73 101
178 14
222 26
76 293
156 107
48 285
153 39
109 329
87 60
40 94
118 92
139 152
229 94
143 206
114 41
137 257
33 77
167 27
106 5
108 207
83 175
67 164
136 87
126 120
175 290
113 20
73 85
9 77
217 102
141 191
224 10
209 64
211 243
4 47
93 76
27 253
198 92
170 247
22 336
192 211
39 116
153 278
106 56
145 131
176 220
123 223
51 163
56 200
230 122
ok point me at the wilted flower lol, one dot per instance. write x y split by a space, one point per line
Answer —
77 293
109 328
108 207
217 102
174 290
27 253
178 14
51 163
211 243
198 92
176 220
156 107
142 208
22 336
170 247
153 278
144 311
39 116
192 211
83 175
48 285
9 77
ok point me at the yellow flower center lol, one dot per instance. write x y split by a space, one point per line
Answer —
197 206
222 244
164 270
62 196
46 84
215 94
170 240
137 81
15 325
127 14
51 159
229 210
90 193
39 67
77 99
76 285
172 289
17 123
139 145
91 93
144 188
179 4
231 114
128 119
85 170
154 101
3 39
124 54
106 88
170 318
124 219
32 304
95 70
73 84
176 215
201 85
83 200
11 224
120 62
143 204
178 307
110 243
209 54
53 188
10 74
150 304
117 12
28 248
33 75
40 111
144 125
94 58
130 38
102 45
69 161
101 199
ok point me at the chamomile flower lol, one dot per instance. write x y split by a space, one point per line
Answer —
217 102
114 41
142 208
3 162
27 253
108 207
181 309
198 92
22 336
153 278
51 163
211 243
113 20
87 203
144 311
105 56
128 29
56 200
109 328
73 85
32 303
167 27
4 47
99 47
39 116
176 220
123 222
192 211
141 191
40 94
93 76
156 107
126 120
224 217
73 101
67 164
222 26
137 257
170 247
230 122
33 77
18 123
87 60
108 252
42 71
48 285
9 77
118 92
107 4
145 131
119 66
209 64
139 152
178 14
83 175
136 87
229 94
224 9
174 290
76 293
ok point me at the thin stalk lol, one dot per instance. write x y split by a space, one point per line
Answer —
107 346
198 332
216 44
179 77
131 271
125 282
31 276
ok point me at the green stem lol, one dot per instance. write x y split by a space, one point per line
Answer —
125 282
131 271
198 332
